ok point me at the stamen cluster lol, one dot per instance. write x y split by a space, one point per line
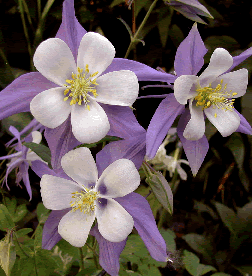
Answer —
84 201
80 85
215 97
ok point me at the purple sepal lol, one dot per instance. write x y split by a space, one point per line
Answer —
142 71
23 174
240 58
160 123
123 124
244 126
60 141
50 235
145 224
195 150
70 29
16 97
189 57
34 124
132 148
41 168
109 252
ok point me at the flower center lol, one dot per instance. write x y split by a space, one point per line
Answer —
215 97
84 201
80 85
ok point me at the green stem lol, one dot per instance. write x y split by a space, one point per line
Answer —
140 27
82 258
21 8
6 64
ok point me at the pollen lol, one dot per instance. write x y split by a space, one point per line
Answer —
82 84
84 201
215 97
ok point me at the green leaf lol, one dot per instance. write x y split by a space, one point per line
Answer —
5 219
169 237
203 269
7 253
228 217
42 151
236 146
162 190
148 270
22 232
19 121
21 211
244 270
191 262
116 2
200 244
42 213
220 274
176 35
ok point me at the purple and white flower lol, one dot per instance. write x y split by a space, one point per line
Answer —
211 94
91 197
81 86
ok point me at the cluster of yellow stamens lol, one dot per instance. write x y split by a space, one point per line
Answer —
215 97
81 84
84 201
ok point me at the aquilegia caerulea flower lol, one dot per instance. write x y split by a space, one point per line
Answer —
189 60
190 9
90 197
211 94
22 159
81 86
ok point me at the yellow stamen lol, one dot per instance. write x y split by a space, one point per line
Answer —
215 97
81 86
84 201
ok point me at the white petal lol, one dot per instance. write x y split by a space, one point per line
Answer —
49 108
236 81
74 227
36 137
118 179
226 122
89 126
117 88
54 60
195 128
56 192
114 222
181 172
183 88
96 51
79 164
220 62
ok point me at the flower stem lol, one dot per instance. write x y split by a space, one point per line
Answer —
81 258
140 28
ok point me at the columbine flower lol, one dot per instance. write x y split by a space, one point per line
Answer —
90 197
81 86
190 9
211 94
22 159
170 163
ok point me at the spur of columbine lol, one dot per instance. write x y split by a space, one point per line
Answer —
81 86
90 197
212 94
